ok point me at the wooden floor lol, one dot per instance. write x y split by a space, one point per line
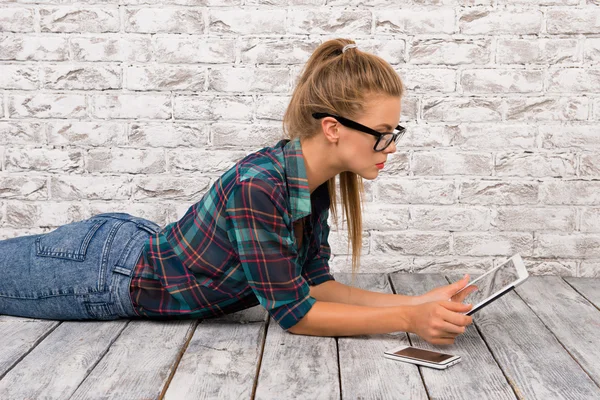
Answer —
538 343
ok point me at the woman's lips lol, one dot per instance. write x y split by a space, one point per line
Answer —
380 165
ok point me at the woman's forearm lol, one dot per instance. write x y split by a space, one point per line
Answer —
336 292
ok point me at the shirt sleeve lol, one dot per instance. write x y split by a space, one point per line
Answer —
316 270
267 253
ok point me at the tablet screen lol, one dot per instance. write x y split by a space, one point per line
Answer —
492 282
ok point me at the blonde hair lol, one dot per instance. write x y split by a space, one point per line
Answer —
339 82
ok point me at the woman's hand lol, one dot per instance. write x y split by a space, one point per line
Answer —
440 322
448 292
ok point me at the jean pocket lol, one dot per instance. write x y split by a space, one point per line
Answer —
69 242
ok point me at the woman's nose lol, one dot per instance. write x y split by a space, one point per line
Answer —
391 148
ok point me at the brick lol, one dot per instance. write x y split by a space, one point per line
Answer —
90 187
163 77
213 108
498 192
417 191
82 77
24 187
410 243
329 21
410 108
548 109
120 48
158 212
462 109
380 263
26 48
197 3
451 163
452 265
164 20
444 218
427 80
574 80
153 134
16 133
535 165
591 50
570 192
391 50
47 214
550 267
530 219
277 51
247 136
493 243
47 105
501 81
9 233
79 19
536 51
246 21
170 188
17 19
567 245
174 49
87 133
539 2
271 107
249 79
53 160
590 165
584 137
397 164
491 136
213 162
425 136
385 217
338 241
20 77
573 21
589 269
455 52
153 106
134 161
486 21
413 22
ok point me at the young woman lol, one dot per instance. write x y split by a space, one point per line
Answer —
259 236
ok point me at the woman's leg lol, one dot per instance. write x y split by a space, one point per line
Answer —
80 270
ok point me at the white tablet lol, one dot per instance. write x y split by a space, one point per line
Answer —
496 283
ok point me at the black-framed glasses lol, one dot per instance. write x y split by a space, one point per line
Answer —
384 139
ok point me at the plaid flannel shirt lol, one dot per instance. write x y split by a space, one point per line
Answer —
236 247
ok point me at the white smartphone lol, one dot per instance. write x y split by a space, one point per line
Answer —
425 358
496 283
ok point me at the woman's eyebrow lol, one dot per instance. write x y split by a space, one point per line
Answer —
385 126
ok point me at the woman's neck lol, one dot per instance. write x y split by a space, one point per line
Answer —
318 160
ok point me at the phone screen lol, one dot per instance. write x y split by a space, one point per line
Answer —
492 282
425 355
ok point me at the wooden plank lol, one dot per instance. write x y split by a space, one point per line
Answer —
588 287
139 363
362 357
222 358
19 336
477 375
573 320
56 367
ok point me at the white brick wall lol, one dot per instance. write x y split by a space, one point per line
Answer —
139 105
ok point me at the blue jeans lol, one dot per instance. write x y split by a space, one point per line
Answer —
81 270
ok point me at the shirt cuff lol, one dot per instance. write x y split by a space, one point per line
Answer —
290 314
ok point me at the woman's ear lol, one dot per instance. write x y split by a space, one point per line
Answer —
330 129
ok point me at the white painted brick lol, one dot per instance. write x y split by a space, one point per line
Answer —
209 162
82 77
417 191
18 77
567 245
161 77
271 107
410 107
368 263
9 233
250 136
574 80
165 134
596 109
462 109
538 51
90 187
170 188
490 21
175 49
158 212
493 243
410 243
329 21
591 50
24 187
134 161
501 81
119 48
535 165
86 133
25 48
573 21
213 108
384 217
451 163
570 192
427 80
21 133
589 269
390 49
550 267
590 165
491 136
197 3
16 19
444 218
498 192
249 79
79 19
47 105
397 164
153 106
584 137
452 265
277 51
530 219
458 51
246 21
539 2
54 160
338 242
424 136
416 21
548 109
164 20
53 214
